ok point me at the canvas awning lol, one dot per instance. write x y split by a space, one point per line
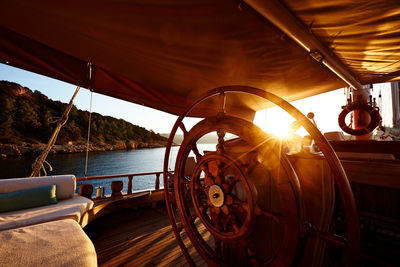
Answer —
165 53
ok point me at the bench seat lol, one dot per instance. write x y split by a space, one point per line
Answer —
71 208
56 243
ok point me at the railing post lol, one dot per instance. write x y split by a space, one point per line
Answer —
130 177
157 187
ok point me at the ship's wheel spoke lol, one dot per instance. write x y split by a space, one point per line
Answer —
248 245
228 199
203 209
220 165
269 214
208 179
222 103
254 262
235 227
245 169
334 239
215 217
193 218
217 249
232 220
219 179
221 135
224 222
252 256
196 152
215 210
228 186
225 209
198 185
238 202
217 246
235 177
179 227
183 128
229 220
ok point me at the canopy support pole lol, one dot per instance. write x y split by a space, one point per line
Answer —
90 73
38 164
88 135
279 15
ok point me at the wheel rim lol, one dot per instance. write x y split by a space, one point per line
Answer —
285 249
352 227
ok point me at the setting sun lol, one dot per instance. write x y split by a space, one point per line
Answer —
275 121
281 129
326 108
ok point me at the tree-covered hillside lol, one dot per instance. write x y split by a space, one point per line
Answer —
31 117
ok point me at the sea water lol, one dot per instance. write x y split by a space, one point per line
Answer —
101 163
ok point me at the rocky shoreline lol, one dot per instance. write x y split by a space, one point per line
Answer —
28 149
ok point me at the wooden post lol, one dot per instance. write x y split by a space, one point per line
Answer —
130 177
86 190
116 189
157 187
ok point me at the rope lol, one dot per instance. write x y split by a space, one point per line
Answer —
88 134
38 164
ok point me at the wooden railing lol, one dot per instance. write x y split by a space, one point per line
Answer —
130 179
368 146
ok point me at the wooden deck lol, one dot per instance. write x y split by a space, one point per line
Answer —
138 238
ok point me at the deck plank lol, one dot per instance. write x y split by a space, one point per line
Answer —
138 238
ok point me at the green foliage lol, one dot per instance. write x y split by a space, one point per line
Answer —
6 118
32 117
26 120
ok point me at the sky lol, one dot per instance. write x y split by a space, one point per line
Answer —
326 107
151 119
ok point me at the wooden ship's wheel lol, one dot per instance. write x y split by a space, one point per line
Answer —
241 204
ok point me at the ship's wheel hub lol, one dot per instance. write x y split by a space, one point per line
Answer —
216 196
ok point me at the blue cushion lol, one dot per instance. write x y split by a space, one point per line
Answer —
28 198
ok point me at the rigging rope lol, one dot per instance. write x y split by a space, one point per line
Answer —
88 134
38 164
90 118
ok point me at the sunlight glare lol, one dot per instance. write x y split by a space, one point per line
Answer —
281 130
275 121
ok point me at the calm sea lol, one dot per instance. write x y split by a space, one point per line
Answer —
100 163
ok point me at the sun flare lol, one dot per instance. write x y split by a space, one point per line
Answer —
276 122
281 130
